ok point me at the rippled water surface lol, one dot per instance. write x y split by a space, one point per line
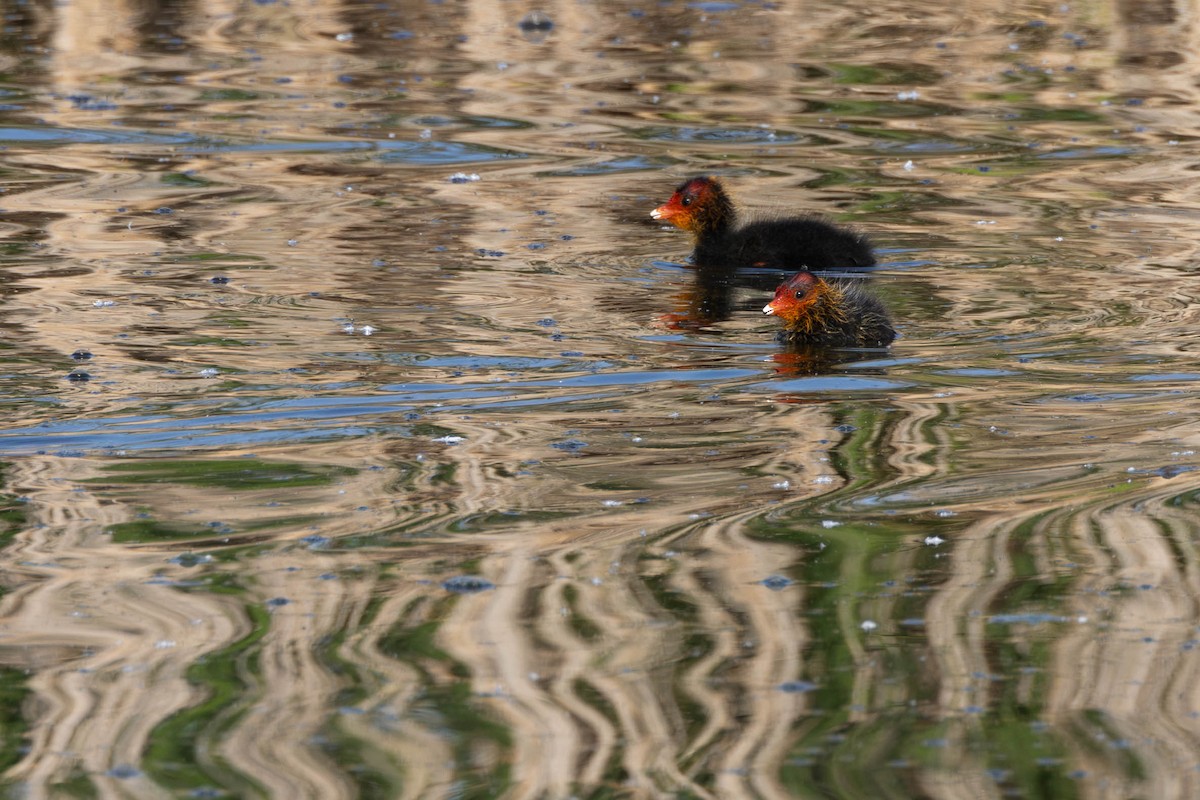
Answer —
364 436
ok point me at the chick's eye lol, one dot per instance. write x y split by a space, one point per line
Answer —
800 295
687 201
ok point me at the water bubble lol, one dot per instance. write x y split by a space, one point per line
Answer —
316 542
536 22
467 584
797 687
189 559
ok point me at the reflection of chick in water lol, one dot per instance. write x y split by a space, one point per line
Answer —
707 300
701 207
796 360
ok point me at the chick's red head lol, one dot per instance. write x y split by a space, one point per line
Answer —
794 297
689 205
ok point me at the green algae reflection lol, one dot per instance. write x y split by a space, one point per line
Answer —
184 749
243 473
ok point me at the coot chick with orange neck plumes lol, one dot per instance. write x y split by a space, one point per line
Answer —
701 206
830 313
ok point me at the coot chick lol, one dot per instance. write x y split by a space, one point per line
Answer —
701 206
830 313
